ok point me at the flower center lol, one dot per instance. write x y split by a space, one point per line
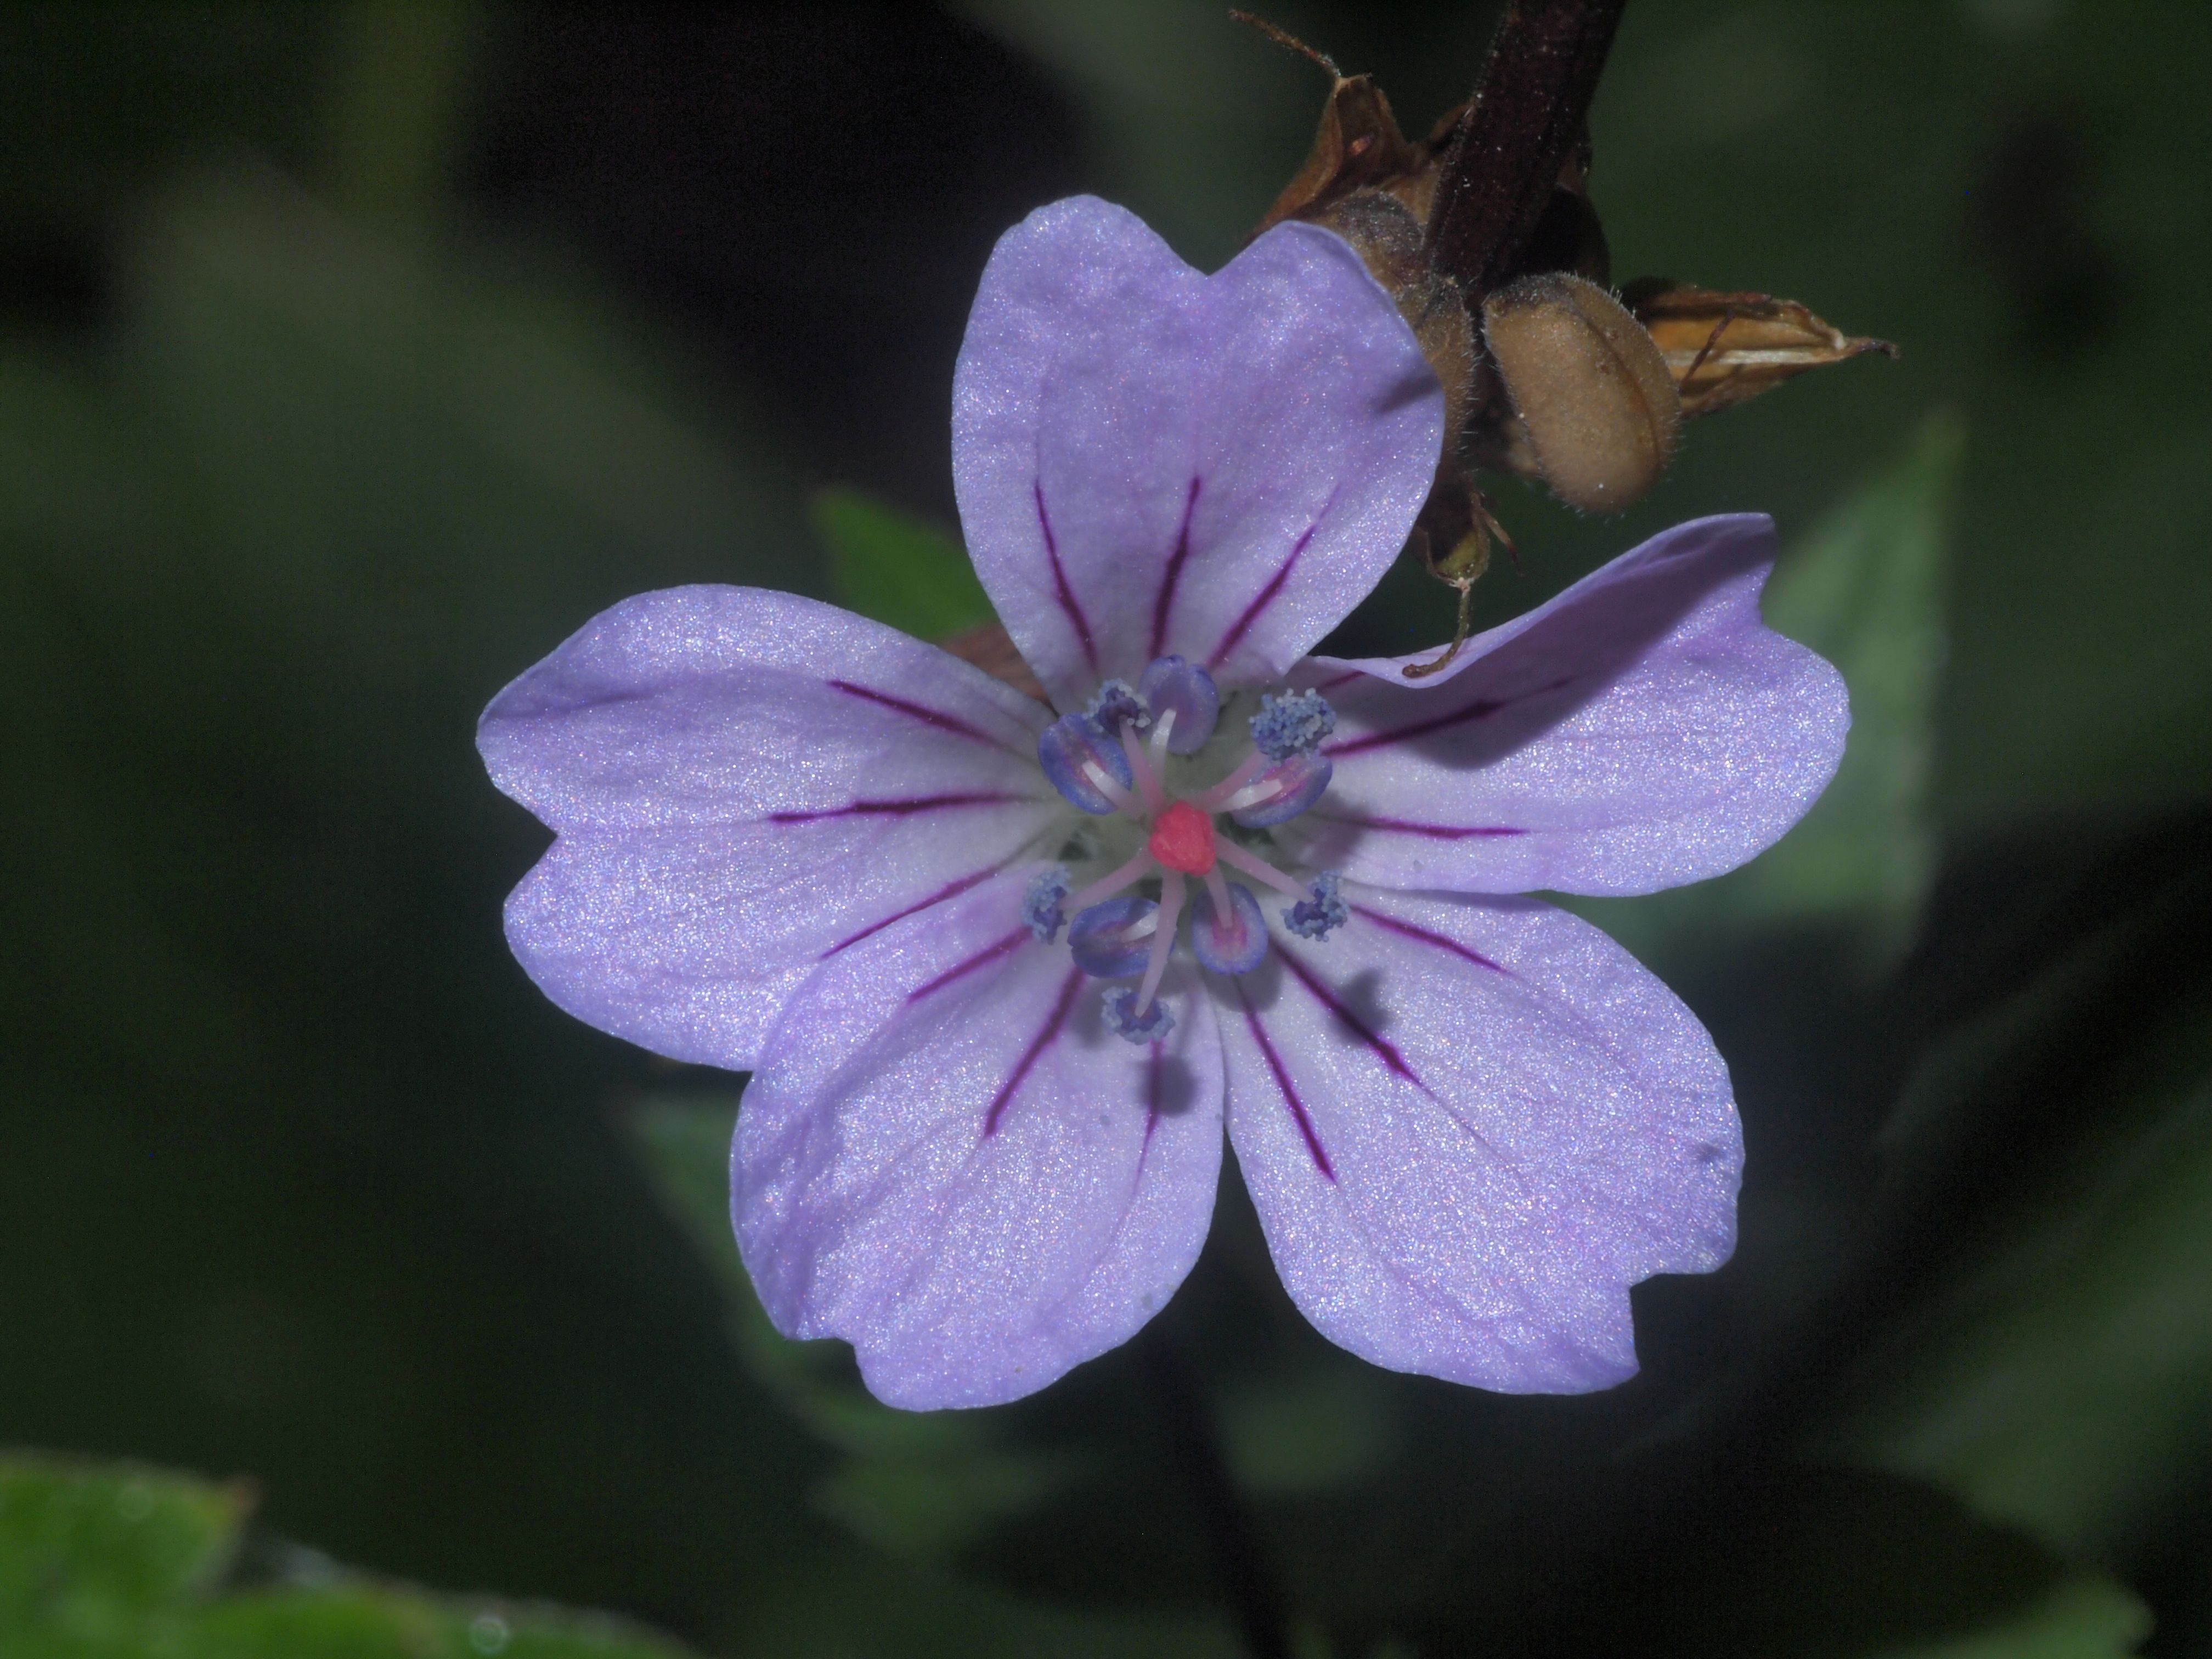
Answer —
1111 759
1182 839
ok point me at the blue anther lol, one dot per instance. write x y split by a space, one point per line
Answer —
1291 723
1040 904
1114 706
1236 947
1172 686
1155 1022
1071 743
1313 917
1298 781
1111 940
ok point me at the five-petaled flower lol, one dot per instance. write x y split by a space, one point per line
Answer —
945 925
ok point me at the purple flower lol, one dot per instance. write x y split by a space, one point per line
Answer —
1003 973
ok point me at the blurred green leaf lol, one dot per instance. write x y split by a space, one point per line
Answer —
685 1143
923 1483
88 1552
898 568
1197 121
1866 590
1725 1560
100 1559
2085 1617
356 1619
2056 1371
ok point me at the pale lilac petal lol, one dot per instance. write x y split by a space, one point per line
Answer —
947 1160
688 941
1149 460
744 784
1643 730
1469 1125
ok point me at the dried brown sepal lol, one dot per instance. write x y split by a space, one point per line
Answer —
1358 145
1725 348
1387 236
990 648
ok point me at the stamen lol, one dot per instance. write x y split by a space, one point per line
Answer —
1170 912
1086 767
1140 768
1257 867
1216 890
1314 917
1217 798
1292 785
1253 793
1137 1025
1229 935
1157 743
1291 723
1116 707
1113 792
1107 885
1113 939
1043 904
1172 686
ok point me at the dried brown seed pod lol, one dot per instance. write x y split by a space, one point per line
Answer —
1593 401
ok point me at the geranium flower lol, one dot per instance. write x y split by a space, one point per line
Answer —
1002 972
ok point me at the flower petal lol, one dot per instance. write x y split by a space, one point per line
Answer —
1643 730
1151 461
947 1160
745 784
1469 1125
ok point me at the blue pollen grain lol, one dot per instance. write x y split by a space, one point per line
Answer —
1291 723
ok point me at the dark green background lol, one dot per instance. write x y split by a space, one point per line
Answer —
352 357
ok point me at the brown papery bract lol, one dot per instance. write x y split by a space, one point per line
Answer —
1726 349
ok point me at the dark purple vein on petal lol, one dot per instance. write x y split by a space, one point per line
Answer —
1480 709
1385 1051
1391 924
927 716
952 889
1065 594
1433 831
989 953
1165 602
1266 596
897 809
1155 1086
1298 1116
1042 1041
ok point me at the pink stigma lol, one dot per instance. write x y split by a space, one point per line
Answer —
1182 839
